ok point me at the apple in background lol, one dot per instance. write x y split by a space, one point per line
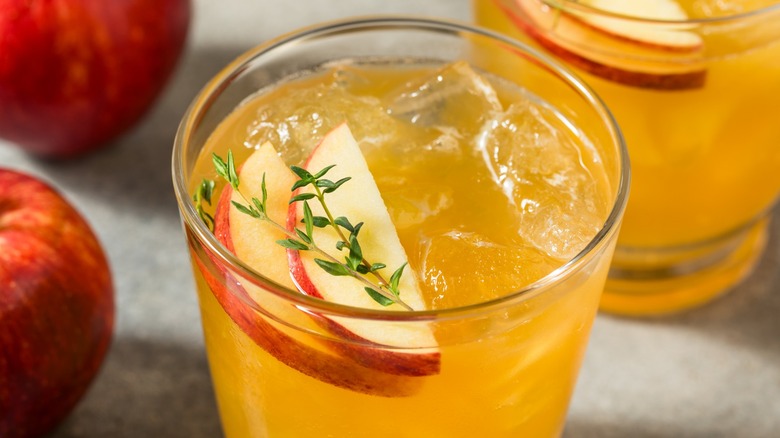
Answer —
75 74
254 242
56 306
360 201
633 55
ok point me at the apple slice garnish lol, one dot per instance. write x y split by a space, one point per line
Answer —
402 348
257 317
668 60
653 34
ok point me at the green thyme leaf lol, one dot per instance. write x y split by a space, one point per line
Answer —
204 194
265 193
305 237
226 169
337 184
396 278
355 256
293 244
320 221
322 172
251 211
206 218
379 298
332 268
206 190
344 223
300 183
325 183
308 219
302 197
356 229
302 173
260 206
231 165
220 166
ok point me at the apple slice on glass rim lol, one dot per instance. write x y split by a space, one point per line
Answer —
402 347
639 55
267 320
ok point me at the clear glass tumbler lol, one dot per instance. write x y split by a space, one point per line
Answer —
501 367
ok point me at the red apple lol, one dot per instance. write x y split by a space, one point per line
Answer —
254 242
635 56
56 306
75 74
408 349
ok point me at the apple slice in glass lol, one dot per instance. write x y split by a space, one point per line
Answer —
636 55
656 36
255 242
403 348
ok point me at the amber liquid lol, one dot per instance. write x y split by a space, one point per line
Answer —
457 204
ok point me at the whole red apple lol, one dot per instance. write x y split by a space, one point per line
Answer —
56 306
75 74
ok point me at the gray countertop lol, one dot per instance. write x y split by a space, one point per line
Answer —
713 372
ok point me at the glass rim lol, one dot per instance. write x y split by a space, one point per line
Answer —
222 79
575 5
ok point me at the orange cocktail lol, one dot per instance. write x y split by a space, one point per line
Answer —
504 207
693 86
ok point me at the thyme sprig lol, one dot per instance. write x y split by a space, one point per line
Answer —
203 194
355 264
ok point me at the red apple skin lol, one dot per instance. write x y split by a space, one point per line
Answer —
75 74
359 349
314 363
673 81
56 306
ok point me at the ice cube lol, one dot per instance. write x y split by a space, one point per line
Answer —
454 100
297 121
551 180
403 172
462 268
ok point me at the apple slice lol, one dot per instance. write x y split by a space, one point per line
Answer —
406 349
240 300
653 34
605 54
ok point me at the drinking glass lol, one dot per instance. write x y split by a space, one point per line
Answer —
503 367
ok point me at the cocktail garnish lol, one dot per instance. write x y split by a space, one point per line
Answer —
355 263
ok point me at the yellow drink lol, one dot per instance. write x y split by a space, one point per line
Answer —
699 122
510 294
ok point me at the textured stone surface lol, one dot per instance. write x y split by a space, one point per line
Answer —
709 373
